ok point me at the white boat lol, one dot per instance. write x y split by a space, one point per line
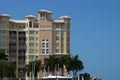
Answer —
57 78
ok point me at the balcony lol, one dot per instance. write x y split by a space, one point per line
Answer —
22 47
21 53
12 47
22 65
22 35
21 60
12 59
21 41
13 35
14 41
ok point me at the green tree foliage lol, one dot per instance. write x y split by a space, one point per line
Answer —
8 69
3 60
76 65
33 67
3 56
72 63
85 76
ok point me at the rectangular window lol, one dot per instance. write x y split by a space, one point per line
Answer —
43 45
3 44
31 50
35 25
31 57
57 38
47 51
3 31
31 32
31 38
4 24
31 44
21 26
43 51
57 51
47 45
57 44
3 38
30 24
57 25
36 32
57 32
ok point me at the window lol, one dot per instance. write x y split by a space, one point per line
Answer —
47 51
31 32
3 38
57 32
20 70
22 26
57 44
57 38
47 40
3 43
36 32
31 50
31 57
43 51
31 38
4 24
57 51
30 24
31 44
3 31
45 46
57 25
35 25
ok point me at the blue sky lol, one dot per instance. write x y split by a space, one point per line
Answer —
95 29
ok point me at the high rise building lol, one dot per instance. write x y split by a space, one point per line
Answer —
31 38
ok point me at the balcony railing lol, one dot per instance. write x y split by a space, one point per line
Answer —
22 35
21 53
12 40
12 59
22 47
21 41
21 65
12 47
12 34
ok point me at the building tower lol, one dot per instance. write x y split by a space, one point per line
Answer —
31 38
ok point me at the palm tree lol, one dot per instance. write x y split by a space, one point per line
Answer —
8 69
71 63
64 63
33 67
55 64
50 64
77 65
3 59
